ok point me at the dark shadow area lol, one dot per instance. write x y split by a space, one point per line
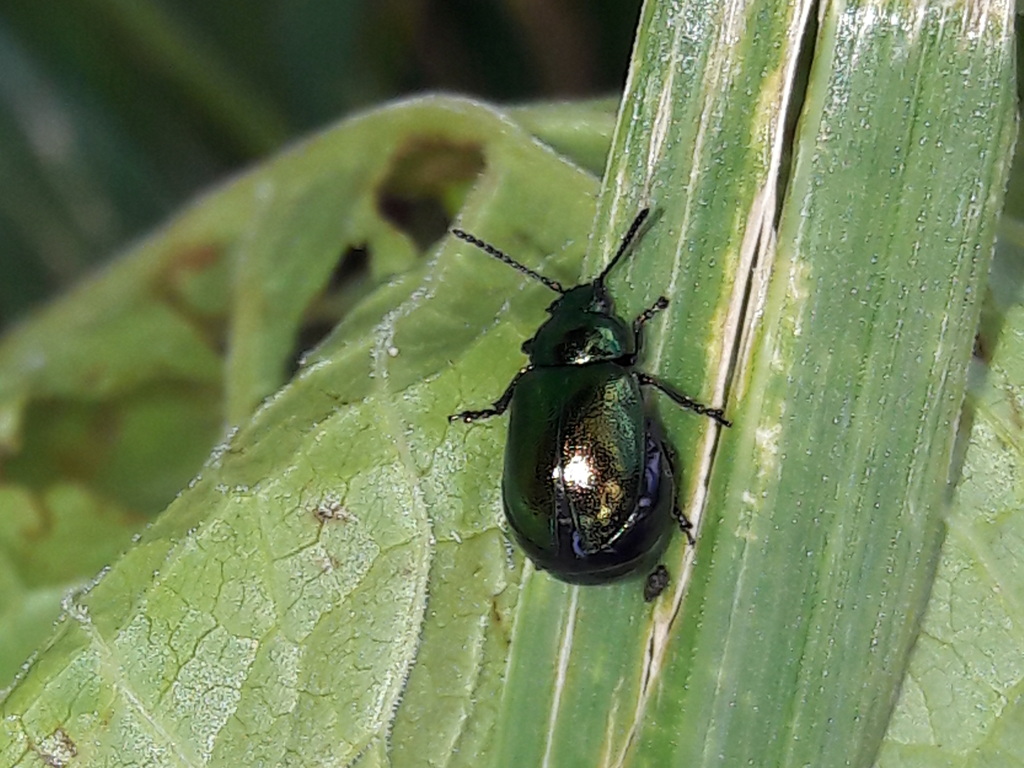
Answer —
346 283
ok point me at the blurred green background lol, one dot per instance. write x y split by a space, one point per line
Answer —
113 113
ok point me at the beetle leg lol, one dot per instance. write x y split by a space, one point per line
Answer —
677 512
717 414
646 315
684 524
497 408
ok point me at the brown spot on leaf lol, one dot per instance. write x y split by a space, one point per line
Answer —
195 258
58 749
194 283
330 509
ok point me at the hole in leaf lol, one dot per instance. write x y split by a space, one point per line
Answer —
427 183
134 451
344 286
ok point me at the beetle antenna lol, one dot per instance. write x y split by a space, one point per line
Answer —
630 236
554 285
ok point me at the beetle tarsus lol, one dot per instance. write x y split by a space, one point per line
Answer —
684 524
497 408
471 416
646 315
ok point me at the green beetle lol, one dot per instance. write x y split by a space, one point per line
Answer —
588 488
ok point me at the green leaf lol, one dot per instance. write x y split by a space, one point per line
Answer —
335 587
296 567
833 297
581 131
960 704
